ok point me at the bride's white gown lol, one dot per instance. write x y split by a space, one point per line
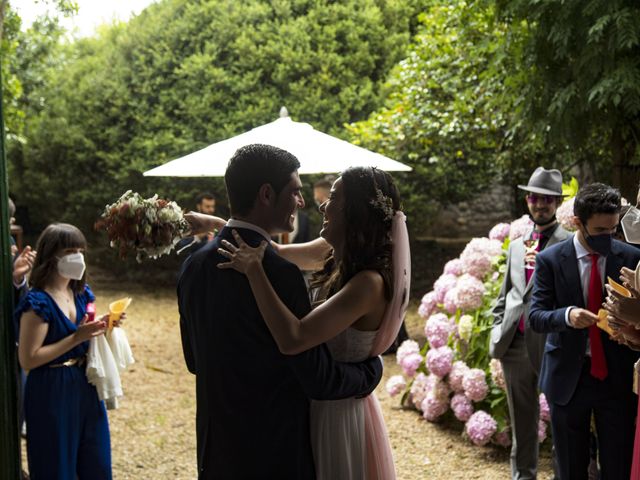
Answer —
338 426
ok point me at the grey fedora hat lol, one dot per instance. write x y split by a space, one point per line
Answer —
544 182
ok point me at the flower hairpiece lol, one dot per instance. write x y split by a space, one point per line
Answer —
383 203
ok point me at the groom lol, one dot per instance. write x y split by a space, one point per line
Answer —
252 418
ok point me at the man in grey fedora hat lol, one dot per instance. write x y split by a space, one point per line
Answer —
518 348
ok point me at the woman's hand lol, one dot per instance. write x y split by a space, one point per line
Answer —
202 223
87 330
242 258
23 264
626 309
118 321
628 277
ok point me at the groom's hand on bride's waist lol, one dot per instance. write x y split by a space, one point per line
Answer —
376 366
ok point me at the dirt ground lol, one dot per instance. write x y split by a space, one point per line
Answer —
153 432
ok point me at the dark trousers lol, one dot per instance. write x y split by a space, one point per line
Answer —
522 396
570 423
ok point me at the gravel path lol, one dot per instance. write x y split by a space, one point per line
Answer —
153 432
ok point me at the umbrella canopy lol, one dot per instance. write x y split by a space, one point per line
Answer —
316 151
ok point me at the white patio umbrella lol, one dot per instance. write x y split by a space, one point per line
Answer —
316 151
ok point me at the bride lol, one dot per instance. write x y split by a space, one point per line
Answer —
361 291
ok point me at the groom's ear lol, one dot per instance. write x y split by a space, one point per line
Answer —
266 195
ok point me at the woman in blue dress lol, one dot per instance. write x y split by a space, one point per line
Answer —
67 426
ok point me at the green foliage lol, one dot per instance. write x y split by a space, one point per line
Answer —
185 74
583 59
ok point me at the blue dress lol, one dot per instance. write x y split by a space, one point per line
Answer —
67 426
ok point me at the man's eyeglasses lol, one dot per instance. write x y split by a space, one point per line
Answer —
534 198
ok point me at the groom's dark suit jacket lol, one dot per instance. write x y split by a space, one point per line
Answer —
252 401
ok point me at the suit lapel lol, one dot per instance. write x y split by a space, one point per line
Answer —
614 263
518 259
569 271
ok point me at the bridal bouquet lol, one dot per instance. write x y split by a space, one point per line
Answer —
147 226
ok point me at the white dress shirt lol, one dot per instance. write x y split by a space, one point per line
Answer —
234 223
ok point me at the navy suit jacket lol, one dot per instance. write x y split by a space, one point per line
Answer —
557 286
252 401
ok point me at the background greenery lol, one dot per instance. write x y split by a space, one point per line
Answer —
466 92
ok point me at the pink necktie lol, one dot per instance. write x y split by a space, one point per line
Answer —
528 272
594 302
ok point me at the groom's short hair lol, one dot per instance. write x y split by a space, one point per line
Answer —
251 167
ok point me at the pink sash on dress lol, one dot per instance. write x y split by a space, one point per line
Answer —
379 456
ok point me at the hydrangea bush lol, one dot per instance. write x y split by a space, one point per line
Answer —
453 375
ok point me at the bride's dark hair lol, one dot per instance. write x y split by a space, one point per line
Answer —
370 201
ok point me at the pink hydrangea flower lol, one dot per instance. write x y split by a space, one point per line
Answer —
565 215
428 305
410 364
522 227
461 406
456 375
453 267
433 407
451 301
500 232
439 361
419 388
542 431
445 283
478 254
497 375
396 385
437 330
503 438
545 413
469 293
475 384
480 427
407 347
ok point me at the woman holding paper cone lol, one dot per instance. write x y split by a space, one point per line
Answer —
67 426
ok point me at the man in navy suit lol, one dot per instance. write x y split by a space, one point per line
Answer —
252 401
583 371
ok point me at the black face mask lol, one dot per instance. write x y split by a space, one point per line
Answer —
599 243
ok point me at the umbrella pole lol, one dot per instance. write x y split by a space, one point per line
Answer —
9 439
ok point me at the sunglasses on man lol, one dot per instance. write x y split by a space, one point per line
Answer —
534 198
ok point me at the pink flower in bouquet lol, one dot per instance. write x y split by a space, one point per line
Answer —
437 330
456 375
428 305
433 407
410 364
396 385
453 267
497 375
475 384
419 388
522 227
503 438
465 327
565 215
439 361
481 427
500 232
545 413
451 301
542 431
445 283
469 293
462 407
407 347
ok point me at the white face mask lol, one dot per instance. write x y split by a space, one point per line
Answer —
631 225
71 266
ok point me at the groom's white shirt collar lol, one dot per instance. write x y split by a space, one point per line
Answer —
233 223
